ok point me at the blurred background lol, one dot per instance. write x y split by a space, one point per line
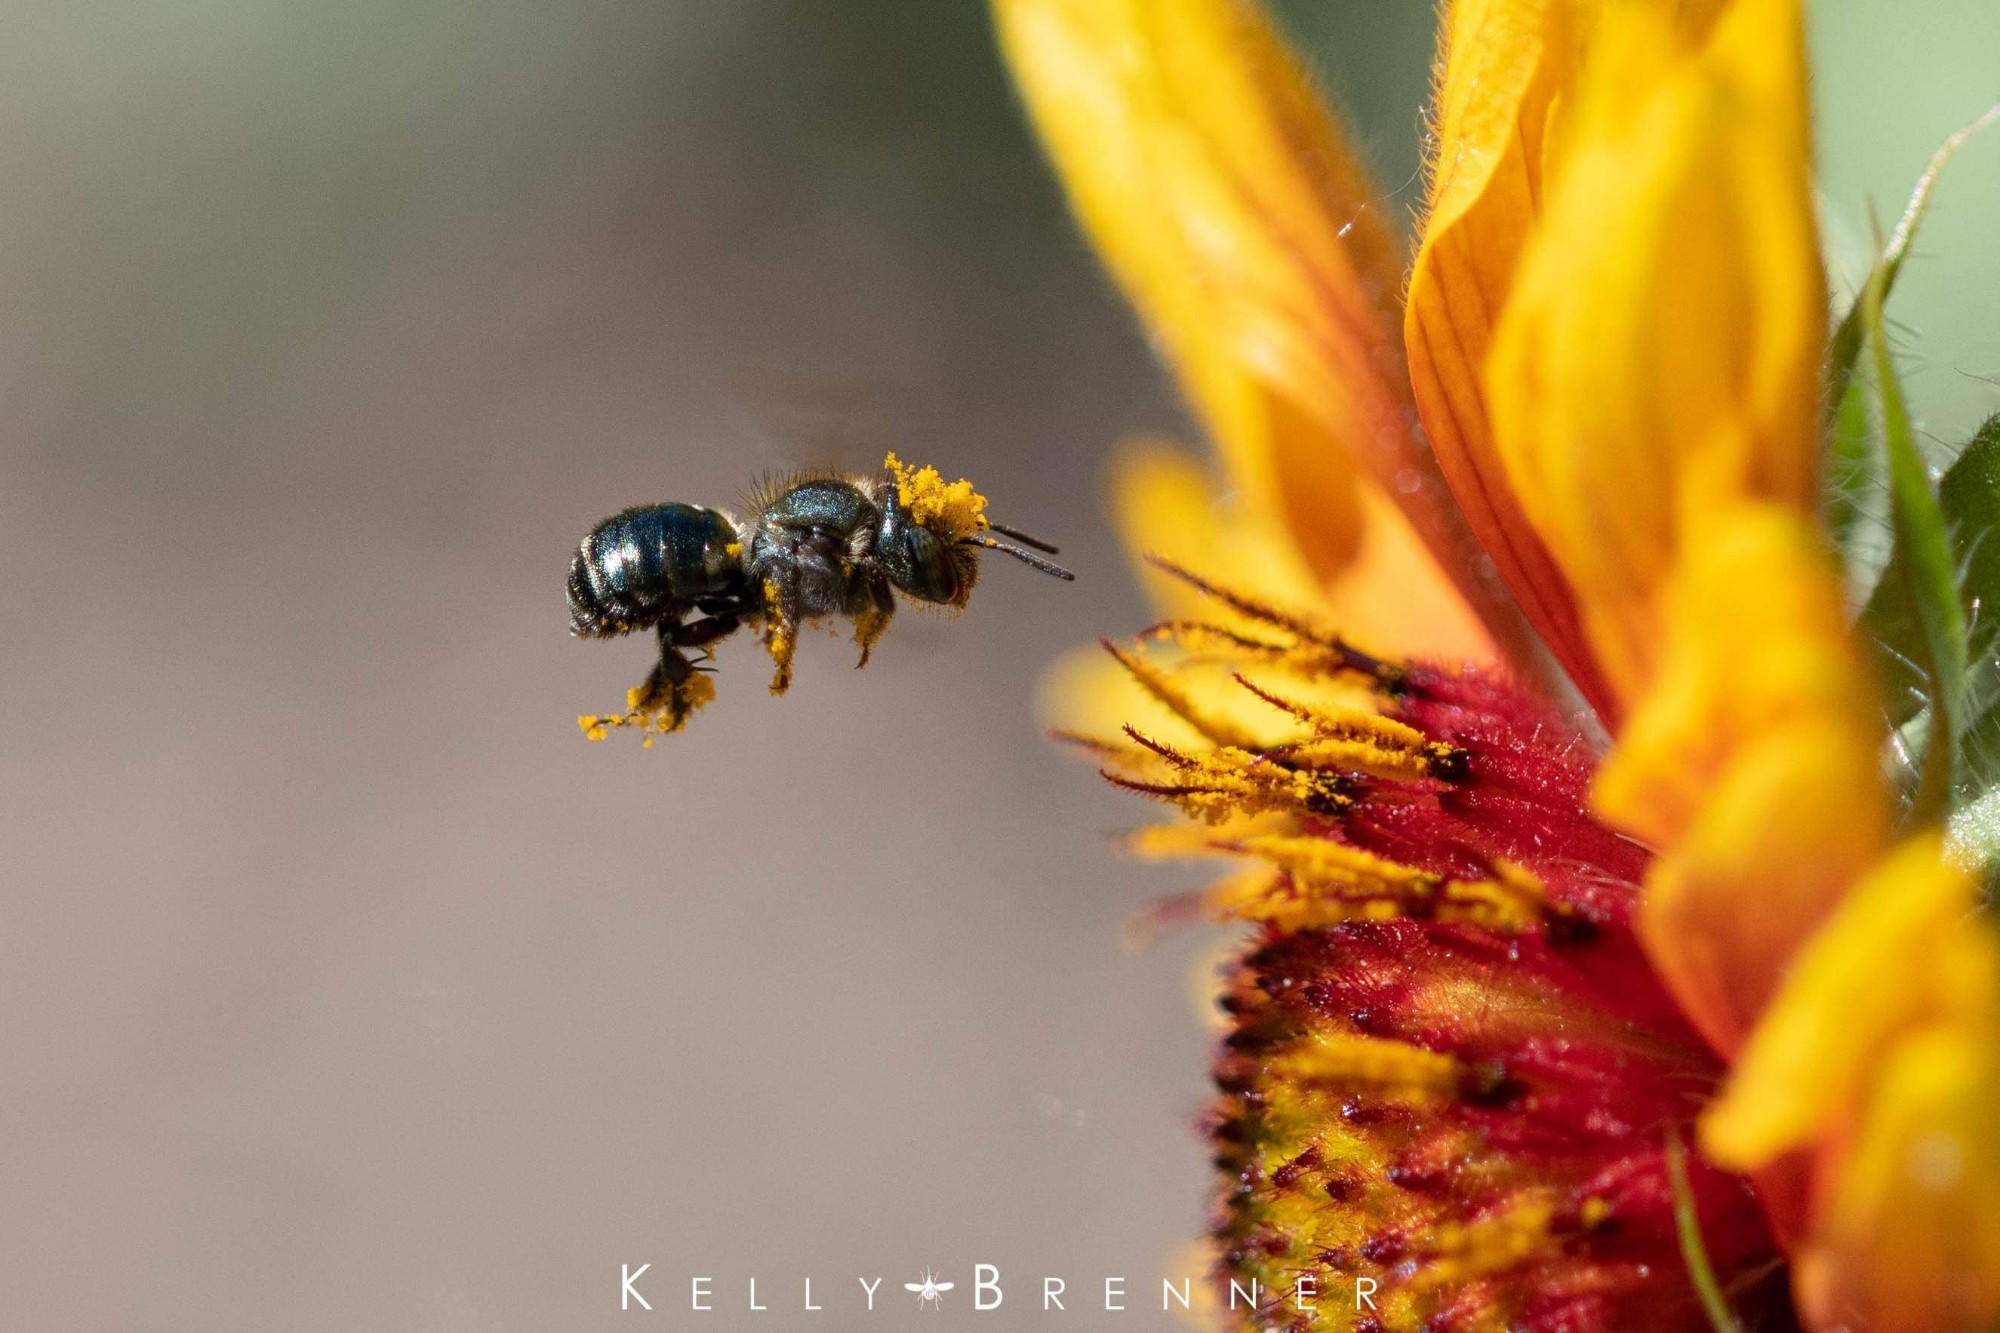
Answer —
342 984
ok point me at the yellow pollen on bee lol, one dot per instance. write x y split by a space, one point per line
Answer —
781 638
660 717
953 508
869 625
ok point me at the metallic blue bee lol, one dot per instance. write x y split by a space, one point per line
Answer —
815 547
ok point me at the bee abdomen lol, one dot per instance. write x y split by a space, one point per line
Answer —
646 564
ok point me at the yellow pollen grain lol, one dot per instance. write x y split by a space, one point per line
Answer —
1224 784
1331 882
954 508
1353 738
1464 1252
1174 842
1156 683
780 639
1511 902
1363 756
1207 641
1393 1068
1324 862
661 719
869 625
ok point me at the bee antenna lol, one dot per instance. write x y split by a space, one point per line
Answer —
1024 556
1023 538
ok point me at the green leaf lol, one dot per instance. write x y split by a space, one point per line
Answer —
1855 492
1845 349
1969 498
1969 494
1921 624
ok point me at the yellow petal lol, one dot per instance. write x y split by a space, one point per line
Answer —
1164 502
1388 599
1751 763
1659 356
1388 596
1885 1045
1863 979
1224 200
1911 1238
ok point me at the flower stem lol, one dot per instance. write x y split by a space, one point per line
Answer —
1687 1226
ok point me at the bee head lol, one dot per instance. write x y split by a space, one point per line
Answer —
932 531
924 561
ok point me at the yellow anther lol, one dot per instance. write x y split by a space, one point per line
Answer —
1392 1068
1328 865
1462 1252
1157 683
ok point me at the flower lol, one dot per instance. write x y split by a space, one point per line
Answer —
1500 971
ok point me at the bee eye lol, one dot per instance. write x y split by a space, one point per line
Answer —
932 568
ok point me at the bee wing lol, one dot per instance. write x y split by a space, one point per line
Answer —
913 1286
943 1286
830 426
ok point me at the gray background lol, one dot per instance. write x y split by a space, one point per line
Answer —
342 985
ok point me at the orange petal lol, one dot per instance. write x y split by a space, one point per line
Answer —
1659 356
1226 203
1502 69
1751 763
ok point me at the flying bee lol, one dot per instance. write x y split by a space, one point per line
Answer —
930 1291
814 548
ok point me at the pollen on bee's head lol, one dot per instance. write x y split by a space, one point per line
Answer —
951 509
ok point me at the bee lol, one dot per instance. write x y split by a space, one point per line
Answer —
813 548
930 1291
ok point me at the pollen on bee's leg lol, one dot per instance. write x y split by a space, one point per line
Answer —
653 709
781 635
869 626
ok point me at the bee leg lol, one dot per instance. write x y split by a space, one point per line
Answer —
703 634
781 631
873 619
667 688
